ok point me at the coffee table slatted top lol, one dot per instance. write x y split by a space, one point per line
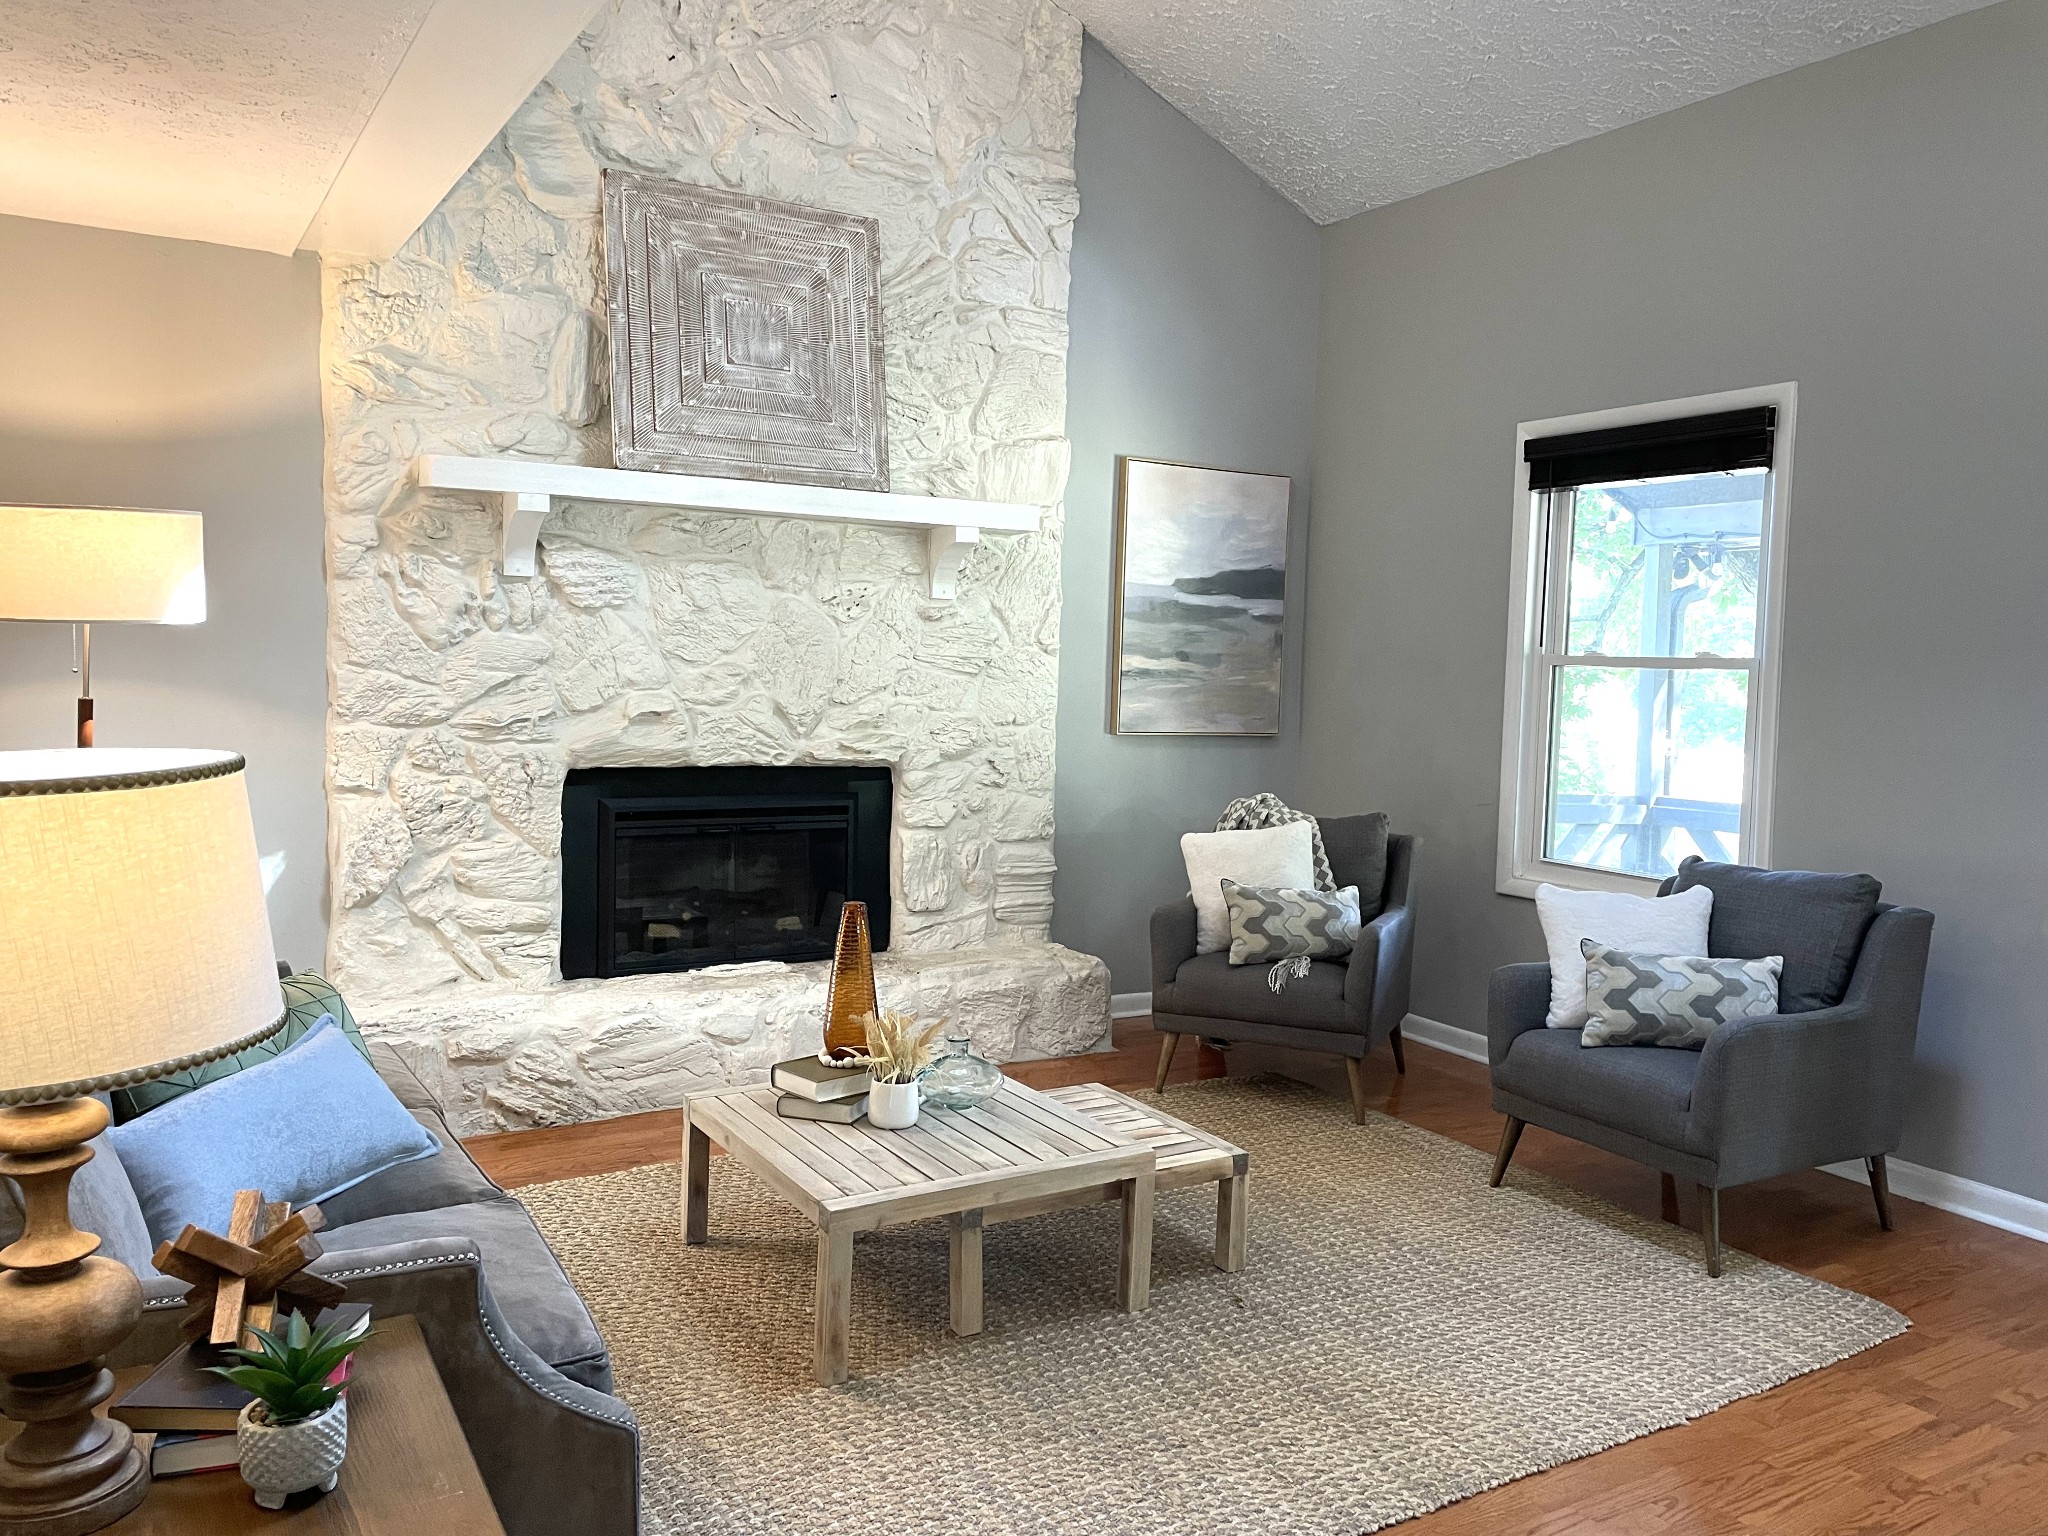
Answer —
1184 1154
948 1161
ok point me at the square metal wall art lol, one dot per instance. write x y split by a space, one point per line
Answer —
746 336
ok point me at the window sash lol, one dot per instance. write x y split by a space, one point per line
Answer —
1559 508
1558 518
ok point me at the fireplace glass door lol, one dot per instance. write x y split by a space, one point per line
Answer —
669 869
688 891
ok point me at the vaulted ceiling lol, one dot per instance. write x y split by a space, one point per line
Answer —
1345 105
337 124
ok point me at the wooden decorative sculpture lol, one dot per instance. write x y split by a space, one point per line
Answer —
238 1279
851 1001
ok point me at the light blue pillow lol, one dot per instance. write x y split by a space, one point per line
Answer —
300 1127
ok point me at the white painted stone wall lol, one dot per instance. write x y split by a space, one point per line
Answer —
502 1056
459 698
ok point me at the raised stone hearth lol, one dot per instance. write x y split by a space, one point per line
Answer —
653 636
502 1057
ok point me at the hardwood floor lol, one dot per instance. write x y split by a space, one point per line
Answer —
1944 1430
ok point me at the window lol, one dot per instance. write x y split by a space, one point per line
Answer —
1642 676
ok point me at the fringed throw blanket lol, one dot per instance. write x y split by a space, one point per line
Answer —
1252 813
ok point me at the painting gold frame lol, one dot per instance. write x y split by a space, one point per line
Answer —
1136 717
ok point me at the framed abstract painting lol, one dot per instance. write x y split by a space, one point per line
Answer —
1201 592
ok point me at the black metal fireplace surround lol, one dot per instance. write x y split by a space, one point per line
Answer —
670 869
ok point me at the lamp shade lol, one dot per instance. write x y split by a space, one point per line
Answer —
87 565
134 941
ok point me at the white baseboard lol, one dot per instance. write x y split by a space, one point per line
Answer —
1987 1203
1444 1037
1129 1005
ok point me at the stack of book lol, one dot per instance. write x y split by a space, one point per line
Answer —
193 1412
808 1089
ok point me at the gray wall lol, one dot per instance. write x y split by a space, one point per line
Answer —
1874 227
1193 338
140 371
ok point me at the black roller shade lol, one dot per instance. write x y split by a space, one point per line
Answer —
1691 445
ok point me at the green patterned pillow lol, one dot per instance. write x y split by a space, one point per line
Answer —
306 999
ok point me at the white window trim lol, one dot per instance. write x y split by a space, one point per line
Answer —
1519 866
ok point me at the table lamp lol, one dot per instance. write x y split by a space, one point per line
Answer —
133 943
87 565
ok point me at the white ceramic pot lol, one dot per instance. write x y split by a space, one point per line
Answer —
279 1460
892 1106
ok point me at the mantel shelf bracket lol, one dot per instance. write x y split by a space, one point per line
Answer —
526 490
946 550
524 512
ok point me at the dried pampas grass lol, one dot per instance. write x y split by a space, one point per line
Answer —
898 1046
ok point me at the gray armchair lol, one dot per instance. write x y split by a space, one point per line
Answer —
1766 1095
1342 1007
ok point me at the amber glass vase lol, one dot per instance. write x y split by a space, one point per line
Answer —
852 996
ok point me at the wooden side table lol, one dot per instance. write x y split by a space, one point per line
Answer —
408 1470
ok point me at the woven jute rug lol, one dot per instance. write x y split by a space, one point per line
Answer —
1402 1336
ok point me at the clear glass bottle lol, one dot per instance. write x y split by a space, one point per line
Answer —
959 1079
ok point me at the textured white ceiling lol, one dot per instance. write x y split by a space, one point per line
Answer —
222 120
1344 105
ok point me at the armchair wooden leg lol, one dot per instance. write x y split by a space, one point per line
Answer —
1710 1228
1880 1190
1400 1057
1354 1068
1509 1135
1166 1044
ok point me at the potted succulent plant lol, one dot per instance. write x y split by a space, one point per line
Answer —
294 1434
899 1049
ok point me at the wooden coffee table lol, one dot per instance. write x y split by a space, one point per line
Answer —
1021 1153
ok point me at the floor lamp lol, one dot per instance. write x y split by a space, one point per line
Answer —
133 943
88 565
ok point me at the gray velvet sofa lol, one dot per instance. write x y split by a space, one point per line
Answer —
523 1363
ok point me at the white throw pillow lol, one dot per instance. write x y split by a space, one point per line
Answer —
1640 925
1282 856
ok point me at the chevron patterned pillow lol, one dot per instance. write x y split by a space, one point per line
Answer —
1675 1000
1269 923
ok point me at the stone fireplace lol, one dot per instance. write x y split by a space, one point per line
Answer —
465 705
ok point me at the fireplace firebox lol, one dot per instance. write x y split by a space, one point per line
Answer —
670 869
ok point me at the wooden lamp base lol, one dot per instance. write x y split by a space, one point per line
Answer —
61 1309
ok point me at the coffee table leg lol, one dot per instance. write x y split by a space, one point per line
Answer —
964 1269
835 1302
1134 1270
696 1180
1231 1201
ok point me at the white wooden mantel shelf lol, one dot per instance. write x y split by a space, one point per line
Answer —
527 488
